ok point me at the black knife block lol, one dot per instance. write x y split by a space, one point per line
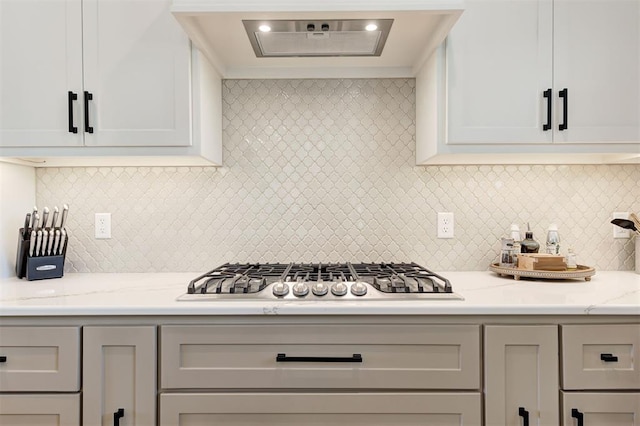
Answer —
38 267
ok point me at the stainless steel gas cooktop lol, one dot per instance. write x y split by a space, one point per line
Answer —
317 281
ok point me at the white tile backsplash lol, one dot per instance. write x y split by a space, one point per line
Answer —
324 170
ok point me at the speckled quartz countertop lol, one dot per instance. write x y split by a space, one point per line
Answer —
485 293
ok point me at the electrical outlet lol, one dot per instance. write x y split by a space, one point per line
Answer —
619 232
445 225
103 225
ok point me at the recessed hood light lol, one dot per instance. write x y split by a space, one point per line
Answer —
316 38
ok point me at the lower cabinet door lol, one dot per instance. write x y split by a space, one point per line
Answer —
521 375
320 409
40 410
601 409
119 376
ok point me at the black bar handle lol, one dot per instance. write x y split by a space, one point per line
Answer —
525 416
608 358
70 98
3 358
87 97
547 94
564 94
117 416
285 358
578 416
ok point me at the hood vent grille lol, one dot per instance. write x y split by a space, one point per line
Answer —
300 38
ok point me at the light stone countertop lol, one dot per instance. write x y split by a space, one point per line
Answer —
484 292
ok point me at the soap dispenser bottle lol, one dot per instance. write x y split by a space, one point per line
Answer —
529 245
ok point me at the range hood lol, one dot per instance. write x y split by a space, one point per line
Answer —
317 38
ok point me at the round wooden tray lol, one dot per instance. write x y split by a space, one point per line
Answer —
585 272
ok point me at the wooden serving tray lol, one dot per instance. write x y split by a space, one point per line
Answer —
585 272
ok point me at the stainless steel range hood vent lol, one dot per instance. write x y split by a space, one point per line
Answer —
317 38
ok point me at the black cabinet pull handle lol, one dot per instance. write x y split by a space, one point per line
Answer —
608 358
117 416
525 416
578 416
3 358
547 94
70 98
87 97
564 94
285 358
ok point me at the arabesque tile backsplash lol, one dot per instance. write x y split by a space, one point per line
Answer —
324 170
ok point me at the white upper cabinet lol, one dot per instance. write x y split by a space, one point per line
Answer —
99 82
597 59
534 81
40 62
136 67
499 60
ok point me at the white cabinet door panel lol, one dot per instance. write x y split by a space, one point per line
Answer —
597 58
40 61
499 63
137 67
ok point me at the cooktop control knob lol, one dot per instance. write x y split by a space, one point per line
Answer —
339 289
319 289
300 289
280 289
358 289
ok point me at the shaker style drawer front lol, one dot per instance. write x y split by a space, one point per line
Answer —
353 409
39 359
601 356
40 410
321 356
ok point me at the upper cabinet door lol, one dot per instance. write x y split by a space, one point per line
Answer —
137 71
597 59
40 62
499 63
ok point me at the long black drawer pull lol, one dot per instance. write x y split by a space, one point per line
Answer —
608 358
70 98
117 416
525 416
285 358
564 94
87 97
547 94
3 358
578 416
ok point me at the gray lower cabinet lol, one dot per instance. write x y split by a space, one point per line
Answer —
119 376
315 409
40 409
601 409
521 375
320 374
39 376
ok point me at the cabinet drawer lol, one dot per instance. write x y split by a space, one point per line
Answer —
601 356
40 409
601 408
392 357
40 359
353 409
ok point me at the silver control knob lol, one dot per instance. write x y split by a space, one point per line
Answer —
339 289
280 289
300 289
358 289
319 289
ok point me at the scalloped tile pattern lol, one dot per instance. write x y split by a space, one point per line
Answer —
323 170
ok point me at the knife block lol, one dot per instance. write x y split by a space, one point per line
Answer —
38 267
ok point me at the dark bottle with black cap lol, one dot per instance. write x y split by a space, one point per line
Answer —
529 245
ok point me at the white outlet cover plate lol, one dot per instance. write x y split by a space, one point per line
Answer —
103 225
445 225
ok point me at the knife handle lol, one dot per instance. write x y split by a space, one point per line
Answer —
56 242
45 242
65 212
36 252
56 212
32 243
